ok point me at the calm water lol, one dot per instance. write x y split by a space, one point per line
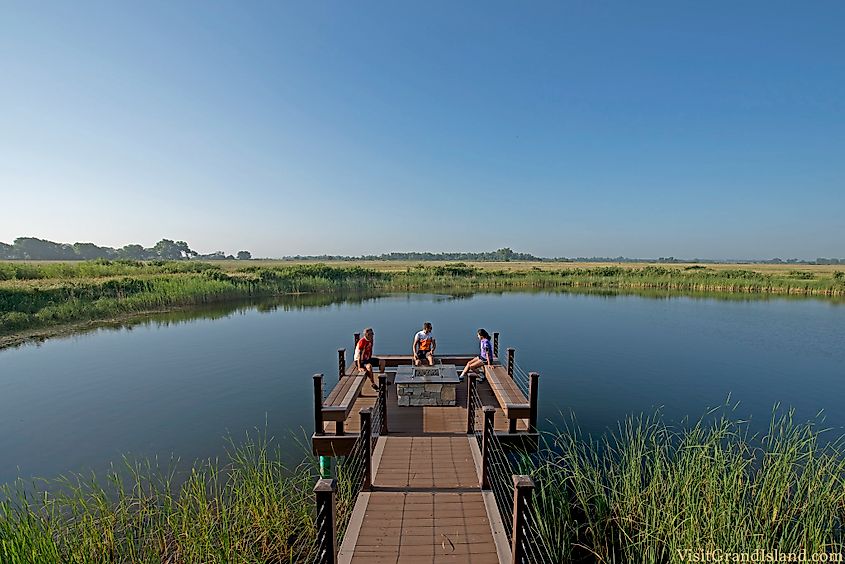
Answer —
179 384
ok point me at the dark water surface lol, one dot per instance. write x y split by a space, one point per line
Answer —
178 384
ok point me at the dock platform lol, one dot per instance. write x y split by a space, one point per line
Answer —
426 484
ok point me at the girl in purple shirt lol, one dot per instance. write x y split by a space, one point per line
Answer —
485 356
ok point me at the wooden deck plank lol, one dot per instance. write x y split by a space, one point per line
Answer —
404 525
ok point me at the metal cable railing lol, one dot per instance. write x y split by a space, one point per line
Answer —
500 478
534 550
477 410
376 420
325 544
501 475
520 376
350 480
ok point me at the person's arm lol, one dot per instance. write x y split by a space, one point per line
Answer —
433 344
414 344
489 353
358 351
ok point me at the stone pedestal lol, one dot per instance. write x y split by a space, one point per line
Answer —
427 385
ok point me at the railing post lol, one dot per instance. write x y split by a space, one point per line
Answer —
341 363
367 434
318 405
325 492
523 492
511 353
382 392
470 406
495 344
489 413
533 393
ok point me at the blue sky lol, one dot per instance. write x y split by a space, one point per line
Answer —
694 129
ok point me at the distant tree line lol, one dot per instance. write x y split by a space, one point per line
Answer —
500 255
31 248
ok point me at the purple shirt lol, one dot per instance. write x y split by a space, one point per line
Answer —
486 350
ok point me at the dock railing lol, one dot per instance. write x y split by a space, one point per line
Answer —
336 498
354 475
512 492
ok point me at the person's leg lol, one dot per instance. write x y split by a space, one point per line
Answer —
368 372
481 371
471 365
430 357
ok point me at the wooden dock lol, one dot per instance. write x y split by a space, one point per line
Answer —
426 483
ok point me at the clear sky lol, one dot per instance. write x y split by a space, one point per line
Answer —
692 129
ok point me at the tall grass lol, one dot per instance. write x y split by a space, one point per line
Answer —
647 492
251 509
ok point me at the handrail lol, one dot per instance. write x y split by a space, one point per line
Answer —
354 474
513 494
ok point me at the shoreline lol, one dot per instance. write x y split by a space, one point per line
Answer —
38 335
43 300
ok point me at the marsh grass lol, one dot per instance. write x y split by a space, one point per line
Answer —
648 491
251 509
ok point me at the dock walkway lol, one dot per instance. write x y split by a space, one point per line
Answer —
425 506
437 485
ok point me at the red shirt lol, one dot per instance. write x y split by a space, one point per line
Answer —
366 348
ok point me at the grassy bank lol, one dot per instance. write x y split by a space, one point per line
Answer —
643 494
34 295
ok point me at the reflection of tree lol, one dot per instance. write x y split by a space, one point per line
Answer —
225 309
299 302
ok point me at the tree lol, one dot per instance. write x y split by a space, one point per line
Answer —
186 251
133 252
40 249
244 255
7 251
90 251
505 254
173 250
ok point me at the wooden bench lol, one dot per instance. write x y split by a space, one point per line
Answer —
511 399
337 406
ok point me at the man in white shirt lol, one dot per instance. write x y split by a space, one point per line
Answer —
424 345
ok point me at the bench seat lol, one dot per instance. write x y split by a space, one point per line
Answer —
511 399
337 406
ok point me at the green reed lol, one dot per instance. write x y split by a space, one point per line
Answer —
647 492
251 509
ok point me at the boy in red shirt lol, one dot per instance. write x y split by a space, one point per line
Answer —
364 359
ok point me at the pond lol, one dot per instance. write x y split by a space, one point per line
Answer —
179 384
